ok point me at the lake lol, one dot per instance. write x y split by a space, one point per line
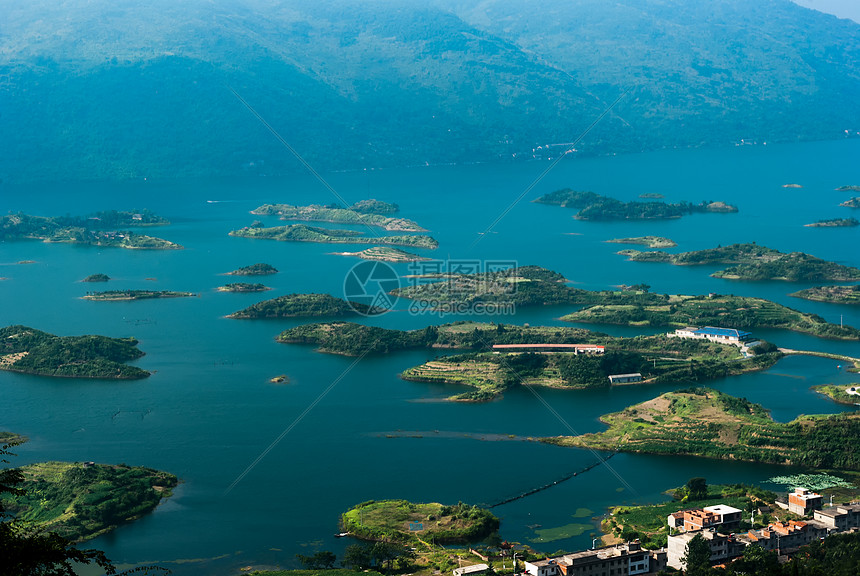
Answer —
210 415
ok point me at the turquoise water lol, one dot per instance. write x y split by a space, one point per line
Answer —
209 409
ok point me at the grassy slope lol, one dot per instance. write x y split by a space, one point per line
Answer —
705 422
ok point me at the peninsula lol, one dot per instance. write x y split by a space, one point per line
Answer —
31 351
123 295
259 269
649 241
384 254
709 423
302 305
302 233
95 230
753 262
367 212
594 206
80 501
849 395
242 287
834 223
832 294
390 520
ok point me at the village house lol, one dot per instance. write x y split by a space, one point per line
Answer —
471 570
723 547
707 517
803 501
620 560
787 536
625 378
719 335
839 518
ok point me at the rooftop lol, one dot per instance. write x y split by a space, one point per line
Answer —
723 332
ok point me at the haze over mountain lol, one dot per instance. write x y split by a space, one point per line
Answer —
121 89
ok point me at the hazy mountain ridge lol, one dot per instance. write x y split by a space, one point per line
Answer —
116 89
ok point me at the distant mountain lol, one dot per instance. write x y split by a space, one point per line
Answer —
122 89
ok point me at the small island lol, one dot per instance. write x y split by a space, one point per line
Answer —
848 189
403 521
95 230
384 254
242 287
82 500
124 295
594 206
30 351
849 395
834 223
367 212
259 269
649 241
712 424
852 202
792 186
302 233
302 305
651 196
754 262
832 294
96 278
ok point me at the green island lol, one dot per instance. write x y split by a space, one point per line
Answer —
533 285
259 269
649 241
834 223
389 520
840 394
31 351
384 254
95 230
302 233
848 189
367 212
80 501
657 359
594 206
753 262
712 424
122 295
851 202
242 287
833 294
10 438
302 305
96 278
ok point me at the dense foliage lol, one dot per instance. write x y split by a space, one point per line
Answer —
594 206
96 278
243 287
24 349
366 215
258 269
95 230
834 294
302 233
299 305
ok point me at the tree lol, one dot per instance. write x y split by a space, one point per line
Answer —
697 489
29 552
357 557
697 558
323 560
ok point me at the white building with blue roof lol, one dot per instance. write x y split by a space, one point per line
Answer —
719 335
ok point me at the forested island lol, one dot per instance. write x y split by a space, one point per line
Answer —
242 287
709 423
384 254
389 520
80 501
850 188
96 278
302 233
98 229
259 269
852 202
832 294
533 285
753 262
649 241
302 305
834 223
122 295
367 212
594 206
30 351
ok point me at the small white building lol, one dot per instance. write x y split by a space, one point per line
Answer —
713 334
625 378
546 567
